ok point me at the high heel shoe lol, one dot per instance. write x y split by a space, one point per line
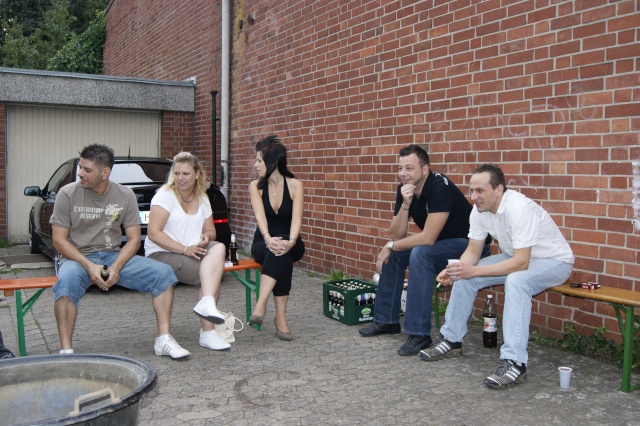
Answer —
288 336
256 319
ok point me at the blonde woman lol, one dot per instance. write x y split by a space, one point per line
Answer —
277 199
181 234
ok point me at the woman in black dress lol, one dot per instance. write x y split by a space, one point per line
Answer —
277 199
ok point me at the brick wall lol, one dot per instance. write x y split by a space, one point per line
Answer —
550 90
169 40
176 133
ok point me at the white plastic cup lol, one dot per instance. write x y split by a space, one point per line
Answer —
565 377
451 262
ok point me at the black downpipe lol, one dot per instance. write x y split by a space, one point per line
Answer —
218 202
214 131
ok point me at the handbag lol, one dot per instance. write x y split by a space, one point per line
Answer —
228 327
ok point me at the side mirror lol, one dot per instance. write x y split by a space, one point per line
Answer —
33 191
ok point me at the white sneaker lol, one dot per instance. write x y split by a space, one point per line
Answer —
66 351
206 308
167 345
212 340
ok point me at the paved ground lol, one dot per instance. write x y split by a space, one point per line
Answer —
328 375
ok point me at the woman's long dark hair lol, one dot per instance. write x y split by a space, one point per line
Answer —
274 155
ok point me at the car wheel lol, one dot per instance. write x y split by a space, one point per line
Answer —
34 241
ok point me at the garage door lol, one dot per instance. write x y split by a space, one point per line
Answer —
39 139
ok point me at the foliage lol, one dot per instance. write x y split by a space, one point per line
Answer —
4 243
34 50
33 31
337 275
596 345
10 271
83 53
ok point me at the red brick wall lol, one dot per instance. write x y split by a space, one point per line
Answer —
176 133
168 40
550 90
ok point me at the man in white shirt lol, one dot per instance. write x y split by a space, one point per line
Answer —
534 257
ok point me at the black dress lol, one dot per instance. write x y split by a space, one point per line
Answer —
280 268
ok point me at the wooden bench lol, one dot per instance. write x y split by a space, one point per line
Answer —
17 285
623 301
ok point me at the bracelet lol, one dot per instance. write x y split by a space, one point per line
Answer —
185 249
265 233
403 207
295 240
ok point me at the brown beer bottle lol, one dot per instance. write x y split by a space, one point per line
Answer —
105 272
490 329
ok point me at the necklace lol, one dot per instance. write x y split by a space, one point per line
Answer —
188 202
275 191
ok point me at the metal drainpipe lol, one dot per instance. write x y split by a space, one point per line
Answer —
224 102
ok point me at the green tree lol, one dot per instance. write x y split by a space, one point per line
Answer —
33 31
34 51
83 53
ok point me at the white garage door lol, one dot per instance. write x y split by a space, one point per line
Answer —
39 139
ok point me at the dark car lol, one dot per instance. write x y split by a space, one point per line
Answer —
143 175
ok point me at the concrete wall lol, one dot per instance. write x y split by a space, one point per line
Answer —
69 89
549 90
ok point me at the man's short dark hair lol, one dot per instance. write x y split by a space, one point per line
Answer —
496 173
102 155
419 151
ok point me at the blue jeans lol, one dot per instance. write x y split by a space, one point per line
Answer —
139 273
519 288
424 262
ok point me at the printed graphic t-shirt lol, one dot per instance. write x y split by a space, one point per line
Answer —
93 220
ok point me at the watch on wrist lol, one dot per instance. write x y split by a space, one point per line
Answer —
389 245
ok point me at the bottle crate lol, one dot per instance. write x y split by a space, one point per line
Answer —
340 301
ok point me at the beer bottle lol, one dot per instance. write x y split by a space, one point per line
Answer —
105 272
233 250
490 329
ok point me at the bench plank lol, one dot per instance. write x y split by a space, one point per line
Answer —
15 286
603 294
10 285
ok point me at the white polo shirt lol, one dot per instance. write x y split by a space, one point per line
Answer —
521 223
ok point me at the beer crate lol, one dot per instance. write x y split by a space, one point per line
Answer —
344 306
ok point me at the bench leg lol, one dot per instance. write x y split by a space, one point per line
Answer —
628 330
21 310
250 285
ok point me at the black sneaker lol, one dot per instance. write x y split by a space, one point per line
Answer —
414 344
375 329
507 375
441 349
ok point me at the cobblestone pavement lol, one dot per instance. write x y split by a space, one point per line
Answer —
328 375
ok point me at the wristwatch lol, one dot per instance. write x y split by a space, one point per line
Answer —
389 245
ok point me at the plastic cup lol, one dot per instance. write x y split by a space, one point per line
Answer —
565 377
451 262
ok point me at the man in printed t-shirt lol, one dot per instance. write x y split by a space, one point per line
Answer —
86 221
